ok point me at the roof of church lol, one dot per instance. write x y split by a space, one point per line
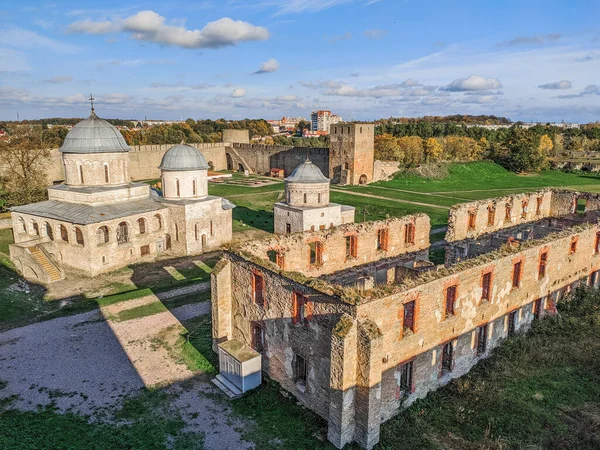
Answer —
94 135
82 214
183 157
307 172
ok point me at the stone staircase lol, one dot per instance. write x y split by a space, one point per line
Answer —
54 274
228 388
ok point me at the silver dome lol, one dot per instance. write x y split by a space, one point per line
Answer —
307 172
183 157
94 135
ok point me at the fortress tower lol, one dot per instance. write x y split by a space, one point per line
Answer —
351 153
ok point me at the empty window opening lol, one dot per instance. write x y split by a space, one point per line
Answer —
142 225
81 175
447 358
516 278
491 216
106 177
486 286
409 233
524 208
258 289
64 234
406 378
542 265
145 250
196 232
36 228
315 253
512 322
472 219
538 206
79 236
300 372
194 188
204 242
122 233
258 338
508 213
301 309
537 308
277 257
288 228
482 337
319 198
49 231
581 205
450 300
597 243
382 239
212 233
408 323
321 227
573 246
351 246
102 235
304 198
312 228
177 188
157 223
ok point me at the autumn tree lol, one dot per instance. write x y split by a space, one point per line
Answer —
25 154
521 152
387 148
412 149
432 149
546 145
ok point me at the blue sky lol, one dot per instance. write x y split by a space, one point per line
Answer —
363 59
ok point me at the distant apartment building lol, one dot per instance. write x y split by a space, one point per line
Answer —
285 123
322 119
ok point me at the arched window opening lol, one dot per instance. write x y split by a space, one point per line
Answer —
319 198
212 233
304 198
157 223
194 188
81 175
168 242
196 235
106 175
35 227
177 185
362 179
142 225
203 241
176 233
122 233
79 236
102 235
48 231
21 228
64 234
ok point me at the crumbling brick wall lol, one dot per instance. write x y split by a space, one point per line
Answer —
295 247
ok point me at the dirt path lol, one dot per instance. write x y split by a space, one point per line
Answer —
87 365
432 194
390 199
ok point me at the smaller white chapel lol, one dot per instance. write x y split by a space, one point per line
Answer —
99 220
307 206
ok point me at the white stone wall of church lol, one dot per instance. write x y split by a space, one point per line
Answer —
186 183
295 193
207 226
282 215
93 167
127 193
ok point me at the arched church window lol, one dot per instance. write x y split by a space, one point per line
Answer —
194 187
21 228
122 233
102 235
79 236
35 228
177 185
157 223
48 231
196 236
142 225
64 234
106 175
81 174
304 198
319 199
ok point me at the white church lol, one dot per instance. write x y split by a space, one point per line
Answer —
99 220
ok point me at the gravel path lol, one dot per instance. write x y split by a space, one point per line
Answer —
87 365
397 200
198 287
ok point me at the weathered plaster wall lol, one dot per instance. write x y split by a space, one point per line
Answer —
262 158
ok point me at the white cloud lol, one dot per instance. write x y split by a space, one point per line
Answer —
181 86
238 93
299 6
342 37
59 80
375 33
473 83
588 91
151 27
21 38
531 40
563 84
13 61
268 66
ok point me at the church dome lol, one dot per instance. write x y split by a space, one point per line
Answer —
183 157
307 172
94 135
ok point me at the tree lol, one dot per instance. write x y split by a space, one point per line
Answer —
387 148
433 149
521 152
302 125
546 145
412 149
25 155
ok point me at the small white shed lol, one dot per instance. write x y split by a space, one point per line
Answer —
240 367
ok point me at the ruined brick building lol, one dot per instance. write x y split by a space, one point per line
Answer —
357 323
